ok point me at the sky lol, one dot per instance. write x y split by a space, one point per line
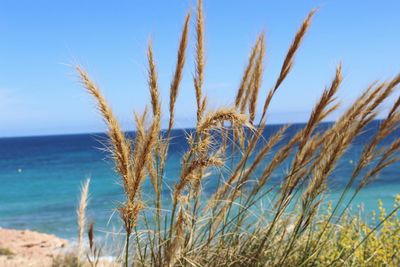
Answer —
42 41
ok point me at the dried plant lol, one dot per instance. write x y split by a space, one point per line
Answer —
199 74
178 71
81 216
93 256
232 226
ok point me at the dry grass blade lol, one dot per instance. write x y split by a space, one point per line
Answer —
307 146
188 171
386 159
379 95
280 156
199 74
288 62
319 112
214 119
153 175
263 152
247 73
223 189
388 125
178 71
153 87
81 215
129 215
140 122
156 106
120 146
257 79
174 250
144 156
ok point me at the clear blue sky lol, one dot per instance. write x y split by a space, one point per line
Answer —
40 40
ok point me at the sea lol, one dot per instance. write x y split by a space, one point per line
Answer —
40 179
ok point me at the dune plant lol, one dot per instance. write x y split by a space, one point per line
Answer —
6 252
81 217
232 227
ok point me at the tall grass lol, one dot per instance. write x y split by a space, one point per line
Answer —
81 217
232 227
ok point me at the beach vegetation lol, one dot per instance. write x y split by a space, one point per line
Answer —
251 218
6 252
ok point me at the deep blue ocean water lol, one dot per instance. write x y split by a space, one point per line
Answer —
40 179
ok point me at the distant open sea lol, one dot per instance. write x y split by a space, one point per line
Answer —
40 178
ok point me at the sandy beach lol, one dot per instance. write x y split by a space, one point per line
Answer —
29 248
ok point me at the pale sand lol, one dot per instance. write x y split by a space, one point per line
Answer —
30 248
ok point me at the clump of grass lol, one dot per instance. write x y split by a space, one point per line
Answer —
67 260
6 252
231 227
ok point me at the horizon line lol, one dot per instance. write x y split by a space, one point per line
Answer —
132 131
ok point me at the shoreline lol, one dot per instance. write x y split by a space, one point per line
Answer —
29 248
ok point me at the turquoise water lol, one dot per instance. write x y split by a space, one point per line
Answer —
40 179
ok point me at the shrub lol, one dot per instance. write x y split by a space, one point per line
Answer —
6 252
